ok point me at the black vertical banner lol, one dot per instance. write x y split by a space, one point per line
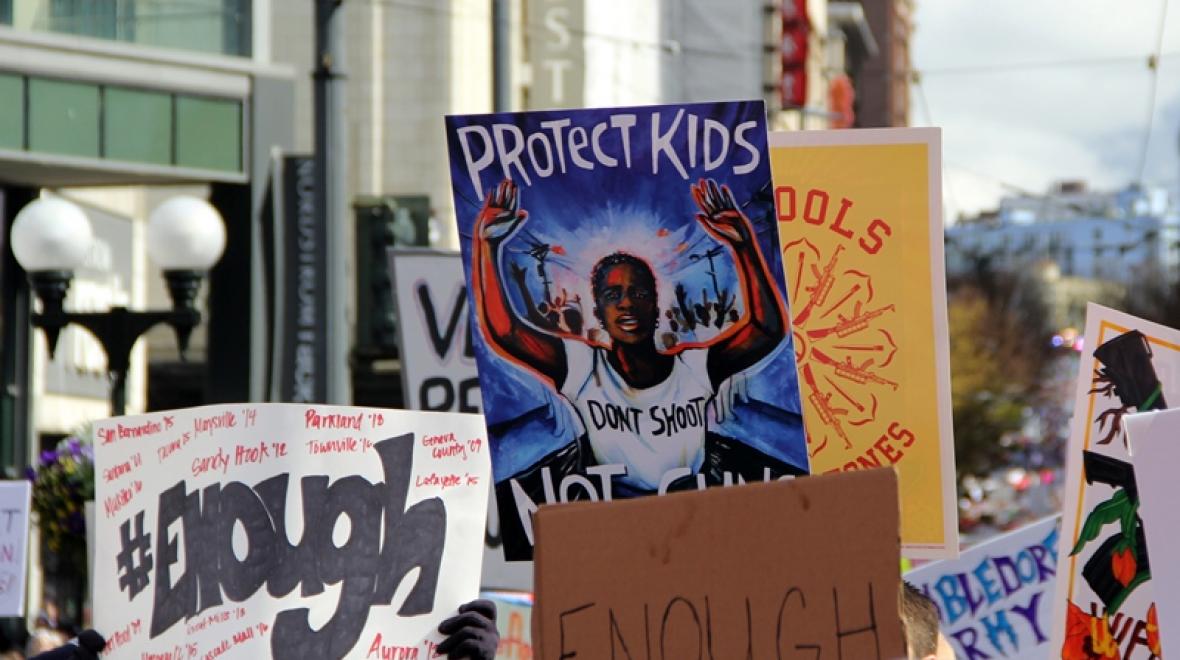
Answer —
303 362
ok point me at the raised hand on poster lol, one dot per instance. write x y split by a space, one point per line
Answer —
501 216
719 214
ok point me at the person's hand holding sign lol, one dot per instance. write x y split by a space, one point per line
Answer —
86 646
472 633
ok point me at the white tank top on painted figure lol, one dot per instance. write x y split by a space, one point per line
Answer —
651 430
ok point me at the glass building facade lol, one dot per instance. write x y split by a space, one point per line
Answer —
221 27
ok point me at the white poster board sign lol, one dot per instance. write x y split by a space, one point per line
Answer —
434 328
1105 597
15 497
1155 450
286 530
438 367
995 600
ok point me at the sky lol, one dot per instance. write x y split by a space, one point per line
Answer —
1030 92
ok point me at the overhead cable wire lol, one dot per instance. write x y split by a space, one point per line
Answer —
1008 67
1153 64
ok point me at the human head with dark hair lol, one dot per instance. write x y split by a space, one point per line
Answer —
919 620
625 298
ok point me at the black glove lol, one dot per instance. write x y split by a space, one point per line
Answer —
472 633
86 647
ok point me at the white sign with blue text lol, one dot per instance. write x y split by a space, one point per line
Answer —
995 599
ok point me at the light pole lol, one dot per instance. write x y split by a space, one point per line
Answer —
51 237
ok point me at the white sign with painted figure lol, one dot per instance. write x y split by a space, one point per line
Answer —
15 498
994 600
286 530
1106 591
434 331
1155 453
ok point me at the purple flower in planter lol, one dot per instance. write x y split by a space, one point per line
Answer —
76 523
48 457
30 474
75 446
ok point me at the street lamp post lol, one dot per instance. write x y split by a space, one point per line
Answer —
51 237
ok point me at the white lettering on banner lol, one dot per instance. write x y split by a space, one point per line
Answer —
285 534
556 47
599 488
542 153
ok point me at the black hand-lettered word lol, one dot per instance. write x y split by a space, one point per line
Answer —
665 420
439 392
683 627
369 566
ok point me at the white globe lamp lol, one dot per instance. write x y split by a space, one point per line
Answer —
51 234
185 233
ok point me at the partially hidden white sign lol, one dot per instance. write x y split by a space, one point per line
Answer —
1106 592
1155 453
994 600
434 328
286 531
14 545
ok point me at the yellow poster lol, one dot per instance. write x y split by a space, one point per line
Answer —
860 226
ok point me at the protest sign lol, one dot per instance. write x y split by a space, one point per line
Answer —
498 572
1156 457
994 601
438 367
514 618
860 225
286 531
802 568
438 363
1104 598
631 330
15 497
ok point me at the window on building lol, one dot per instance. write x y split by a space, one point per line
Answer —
89 18
212 26
6 12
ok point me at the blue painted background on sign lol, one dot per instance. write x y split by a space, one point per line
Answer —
584 214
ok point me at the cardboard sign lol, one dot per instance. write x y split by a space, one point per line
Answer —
631 328
802 568
995 600
860 223
1153 437
438 362
15 499
1105 595
286 531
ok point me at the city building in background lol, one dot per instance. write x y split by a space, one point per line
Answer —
882 82
117 105
1089 245
408 64
122 103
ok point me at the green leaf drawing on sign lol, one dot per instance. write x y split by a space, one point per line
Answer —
1109 511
